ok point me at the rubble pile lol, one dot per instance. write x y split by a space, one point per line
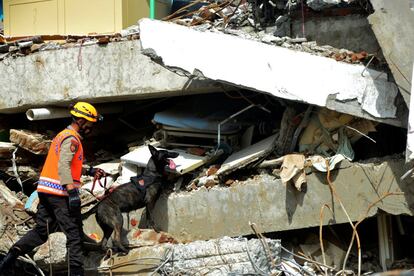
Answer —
235 148
22 47
20 160
14 220
217 149
240 18
33 142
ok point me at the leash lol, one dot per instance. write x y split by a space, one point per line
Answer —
107 192
97 179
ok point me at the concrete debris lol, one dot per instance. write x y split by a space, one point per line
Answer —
395 39
25 172
132 30
55 254
335 255
206 181
301 45
373 91
14 221
124 64
275 27
46 43
212 257
322 4
248 155
185 162
8 198
324 100
225 255
6 149
33 142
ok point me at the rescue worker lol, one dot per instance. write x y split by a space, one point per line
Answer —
59 202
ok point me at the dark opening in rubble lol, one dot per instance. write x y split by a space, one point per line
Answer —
389 140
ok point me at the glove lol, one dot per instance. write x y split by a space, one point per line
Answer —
97 173
74 200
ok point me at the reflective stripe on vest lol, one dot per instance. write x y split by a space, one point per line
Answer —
49 181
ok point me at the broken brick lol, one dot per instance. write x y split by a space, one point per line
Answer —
103 40
213 170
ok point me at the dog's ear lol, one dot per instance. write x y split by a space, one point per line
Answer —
172 154
152 150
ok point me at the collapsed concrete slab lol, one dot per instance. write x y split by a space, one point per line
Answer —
263 199
118 71
284 73
395 39
213 257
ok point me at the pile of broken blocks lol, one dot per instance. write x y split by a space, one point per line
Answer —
198 167
240 18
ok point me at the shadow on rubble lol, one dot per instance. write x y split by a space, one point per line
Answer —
293 199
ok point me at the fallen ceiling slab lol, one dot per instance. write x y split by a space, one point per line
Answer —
393 25
115 72
284 73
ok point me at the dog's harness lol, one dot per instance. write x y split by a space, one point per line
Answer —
142 182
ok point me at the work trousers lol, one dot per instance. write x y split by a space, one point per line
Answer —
53 215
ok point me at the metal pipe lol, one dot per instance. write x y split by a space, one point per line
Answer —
36 114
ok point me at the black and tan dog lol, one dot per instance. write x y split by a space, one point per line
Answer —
141 192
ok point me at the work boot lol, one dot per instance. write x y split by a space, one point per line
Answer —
76 271
9 260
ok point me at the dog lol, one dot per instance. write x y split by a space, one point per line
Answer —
141 192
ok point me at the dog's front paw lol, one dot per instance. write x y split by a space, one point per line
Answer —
151 225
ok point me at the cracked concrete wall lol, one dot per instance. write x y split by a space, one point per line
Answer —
351 32
263 199
393 25
118 71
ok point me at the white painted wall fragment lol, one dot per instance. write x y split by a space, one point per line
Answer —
409 155
282 72
185 162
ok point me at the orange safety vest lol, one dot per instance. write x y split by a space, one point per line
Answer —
49 181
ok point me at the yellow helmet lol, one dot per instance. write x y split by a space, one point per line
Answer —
86 111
